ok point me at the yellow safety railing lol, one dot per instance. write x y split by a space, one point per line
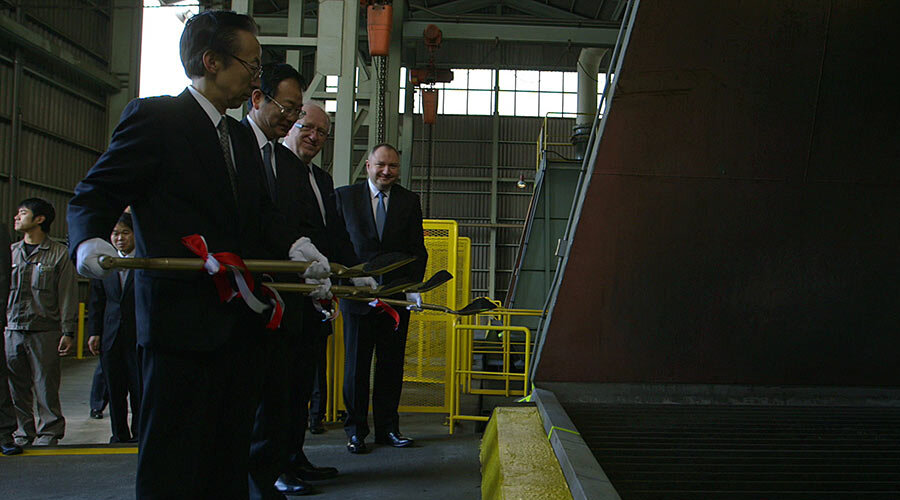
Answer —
543 141
426 373
465 347
79 338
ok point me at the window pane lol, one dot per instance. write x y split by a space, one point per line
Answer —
402 103
527 80
331 83
481 79
526 104
507 79
551 81
571 81
417 104
570 103
402 77
454 102
480 102
331 106
507 104
460 79
551 103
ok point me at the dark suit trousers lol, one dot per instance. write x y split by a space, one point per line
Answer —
317 403
99 391
270 446
363 335
196 418
123 379
306 344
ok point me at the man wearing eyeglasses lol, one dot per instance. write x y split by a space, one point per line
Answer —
186 168
306 139
273 108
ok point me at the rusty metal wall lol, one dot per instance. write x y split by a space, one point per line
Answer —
741 226
63 129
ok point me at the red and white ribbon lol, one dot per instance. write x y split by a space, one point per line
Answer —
384 307
216 265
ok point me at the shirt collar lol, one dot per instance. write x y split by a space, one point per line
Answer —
126 256
207 106
373 191
261 138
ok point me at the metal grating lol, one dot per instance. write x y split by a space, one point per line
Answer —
718 451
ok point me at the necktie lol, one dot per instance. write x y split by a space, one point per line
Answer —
270 172
380 215
225 144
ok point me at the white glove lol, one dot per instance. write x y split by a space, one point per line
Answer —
323 291
87 257
304 250
365 281
414 297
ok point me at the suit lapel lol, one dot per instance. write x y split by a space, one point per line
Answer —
129 282
365 198
204 140
394 211
113 284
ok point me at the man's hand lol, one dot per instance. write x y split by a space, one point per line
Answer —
87 257
65 345
414 297
304 250
365 281
94 344
322 291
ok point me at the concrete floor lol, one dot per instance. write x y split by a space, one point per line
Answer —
440 466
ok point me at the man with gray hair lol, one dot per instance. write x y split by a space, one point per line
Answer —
306 139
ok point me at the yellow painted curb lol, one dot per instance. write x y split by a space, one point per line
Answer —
517 461
50 452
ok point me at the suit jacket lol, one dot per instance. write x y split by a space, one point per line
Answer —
402 232
111 311
165 161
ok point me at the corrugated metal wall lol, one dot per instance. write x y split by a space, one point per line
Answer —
461 182
63 128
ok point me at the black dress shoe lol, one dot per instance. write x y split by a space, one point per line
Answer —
288 484
97 414
10 449
394 439
309 472
316 427
356 445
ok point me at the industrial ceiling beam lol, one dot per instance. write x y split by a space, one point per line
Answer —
33 42
587 36
543 10
451 8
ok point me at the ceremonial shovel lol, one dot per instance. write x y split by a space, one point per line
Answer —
381 264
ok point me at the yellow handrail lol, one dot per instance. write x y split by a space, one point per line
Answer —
506 374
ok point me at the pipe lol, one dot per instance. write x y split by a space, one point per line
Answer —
588 67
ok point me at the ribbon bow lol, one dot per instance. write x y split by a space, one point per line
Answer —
383 307
217 265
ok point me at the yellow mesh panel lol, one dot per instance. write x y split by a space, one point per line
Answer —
426 372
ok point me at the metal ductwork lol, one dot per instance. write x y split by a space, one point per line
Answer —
588 67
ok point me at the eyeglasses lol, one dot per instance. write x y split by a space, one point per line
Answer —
254 71
292 114
302 126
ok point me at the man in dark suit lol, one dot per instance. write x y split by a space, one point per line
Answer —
328 233
380 216
113 335
273 108
186 168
